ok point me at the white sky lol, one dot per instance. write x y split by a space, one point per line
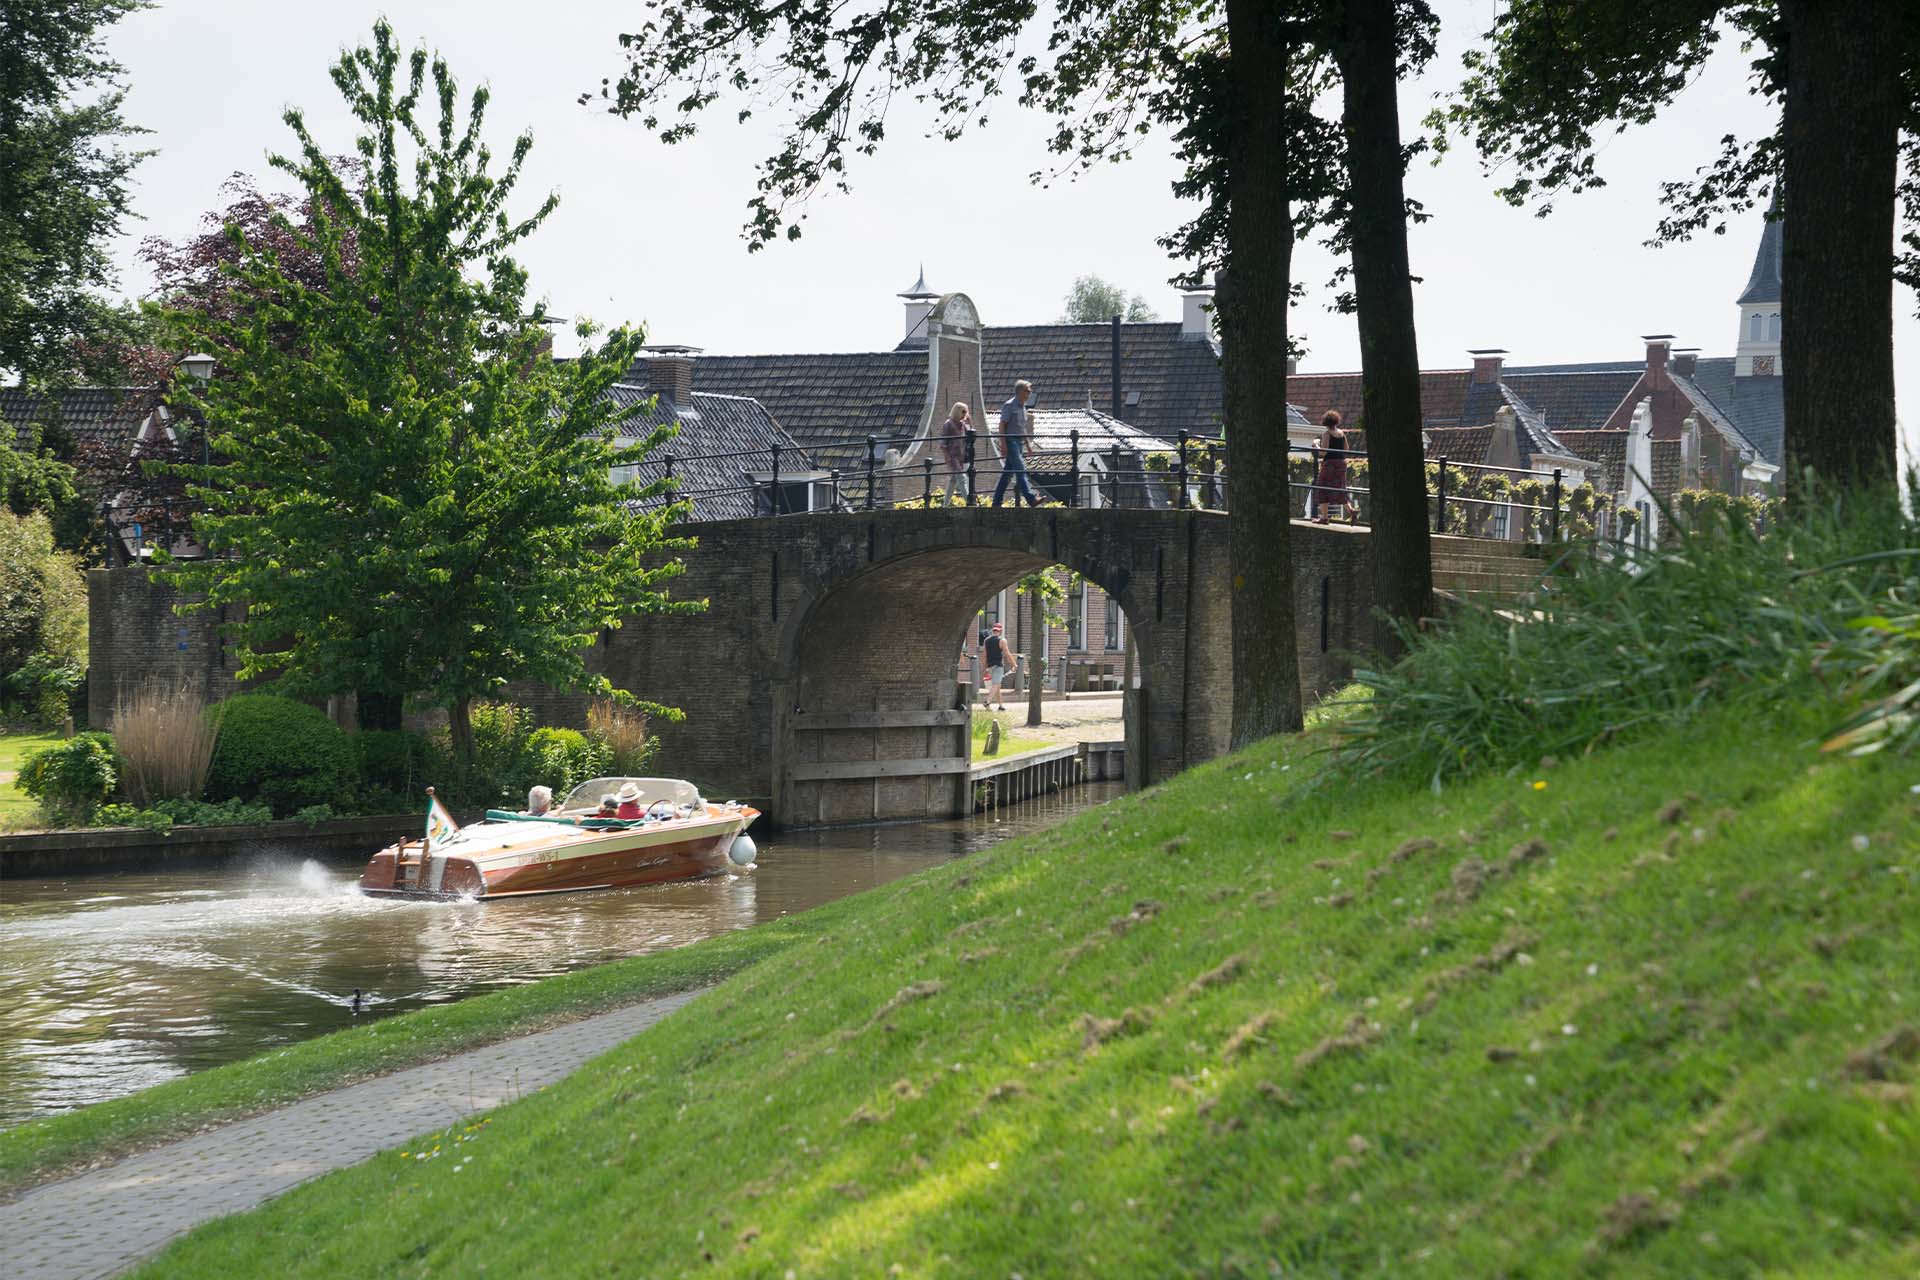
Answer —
650 233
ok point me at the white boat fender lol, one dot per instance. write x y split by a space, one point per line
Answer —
743 851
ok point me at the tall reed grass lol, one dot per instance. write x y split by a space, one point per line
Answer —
1615 644
623 731
165 740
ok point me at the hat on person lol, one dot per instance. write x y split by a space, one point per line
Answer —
996 626
628 791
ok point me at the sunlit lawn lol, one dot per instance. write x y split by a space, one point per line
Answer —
17 809
1655 1012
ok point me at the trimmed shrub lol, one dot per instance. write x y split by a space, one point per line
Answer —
72 779
284 754
393 762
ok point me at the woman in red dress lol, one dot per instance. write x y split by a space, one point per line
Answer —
1330 481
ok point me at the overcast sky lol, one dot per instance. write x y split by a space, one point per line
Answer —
650 233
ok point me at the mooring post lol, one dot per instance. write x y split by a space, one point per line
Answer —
869 473
774 504
1553 518
926 494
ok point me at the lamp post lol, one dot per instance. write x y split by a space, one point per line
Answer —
199 367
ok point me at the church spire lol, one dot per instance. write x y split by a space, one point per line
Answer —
1757 353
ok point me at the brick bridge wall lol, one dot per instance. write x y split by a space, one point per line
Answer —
822 673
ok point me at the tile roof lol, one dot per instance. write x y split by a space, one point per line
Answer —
1715 418
1607 448
835 396
1460 444
1443 395
98 420
1169 381
712 424
1756 405
1573 398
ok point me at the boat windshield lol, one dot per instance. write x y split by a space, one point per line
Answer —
586 796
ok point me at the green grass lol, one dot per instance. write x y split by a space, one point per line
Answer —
1010 745
18 810
1655 1017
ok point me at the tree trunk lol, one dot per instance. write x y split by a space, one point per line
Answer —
1252 305
1841 129
1389 354
1036 669
460 728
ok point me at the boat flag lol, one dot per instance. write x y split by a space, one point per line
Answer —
441 828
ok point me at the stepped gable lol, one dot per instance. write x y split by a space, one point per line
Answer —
1169 381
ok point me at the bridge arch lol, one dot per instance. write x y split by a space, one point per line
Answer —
854 620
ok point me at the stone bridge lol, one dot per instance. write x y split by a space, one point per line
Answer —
822 674
821 679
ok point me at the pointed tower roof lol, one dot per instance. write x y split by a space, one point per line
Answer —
1764 284
919 287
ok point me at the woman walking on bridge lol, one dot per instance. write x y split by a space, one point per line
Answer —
1330 482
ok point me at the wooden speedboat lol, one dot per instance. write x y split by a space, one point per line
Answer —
679 837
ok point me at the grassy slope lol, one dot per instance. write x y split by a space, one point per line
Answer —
1203 1031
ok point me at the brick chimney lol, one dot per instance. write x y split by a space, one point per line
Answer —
1686 360
670 373
1659 350
1487 362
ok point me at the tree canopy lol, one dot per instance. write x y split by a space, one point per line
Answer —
408 494
1093 300
63 179
1841 145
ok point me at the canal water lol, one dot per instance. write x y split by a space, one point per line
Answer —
112 982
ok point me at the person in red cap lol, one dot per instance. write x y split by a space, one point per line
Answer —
1000 662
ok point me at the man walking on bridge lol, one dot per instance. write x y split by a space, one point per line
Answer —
1014 431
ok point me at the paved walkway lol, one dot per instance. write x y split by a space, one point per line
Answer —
103 1222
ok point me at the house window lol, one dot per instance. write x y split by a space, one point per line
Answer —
1113 624
1077 617
990 614
1773 327
1753 328
793 495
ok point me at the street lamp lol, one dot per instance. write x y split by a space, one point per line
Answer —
199 367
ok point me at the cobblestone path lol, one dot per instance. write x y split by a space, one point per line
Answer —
103 1222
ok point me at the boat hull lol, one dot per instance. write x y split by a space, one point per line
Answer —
558 859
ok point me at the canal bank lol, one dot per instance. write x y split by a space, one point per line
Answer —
122 980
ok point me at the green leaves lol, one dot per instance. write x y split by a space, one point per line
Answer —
411 496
